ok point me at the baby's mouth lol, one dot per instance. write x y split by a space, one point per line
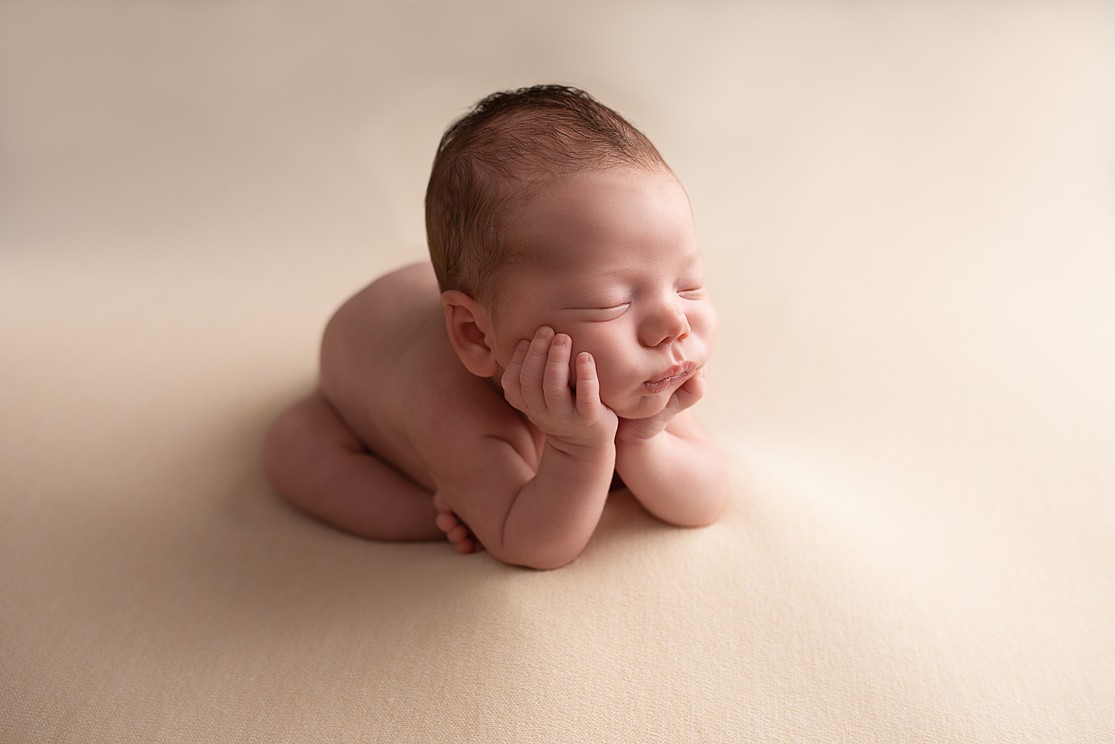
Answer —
675 375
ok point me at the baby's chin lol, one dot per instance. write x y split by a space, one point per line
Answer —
639 408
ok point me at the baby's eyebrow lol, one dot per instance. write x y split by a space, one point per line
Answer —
600 276
683 262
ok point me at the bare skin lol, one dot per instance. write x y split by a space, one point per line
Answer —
439 415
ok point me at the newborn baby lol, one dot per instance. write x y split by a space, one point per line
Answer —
557 339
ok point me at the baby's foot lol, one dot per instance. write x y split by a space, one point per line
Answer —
455 530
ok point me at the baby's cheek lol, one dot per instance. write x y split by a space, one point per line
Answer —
709 326
612 370
616 379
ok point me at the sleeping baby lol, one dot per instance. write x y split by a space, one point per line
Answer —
551 347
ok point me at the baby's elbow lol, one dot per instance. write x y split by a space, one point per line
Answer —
552 562
699 513
713 512
697 521
538 557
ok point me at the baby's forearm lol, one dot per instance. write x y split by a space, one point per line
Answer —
680 477
555 513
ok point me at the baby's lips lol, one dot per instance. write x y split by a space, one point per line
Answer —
681 369
677 374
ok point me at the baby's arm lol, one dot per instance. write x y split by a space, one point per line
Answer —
543 519
671 465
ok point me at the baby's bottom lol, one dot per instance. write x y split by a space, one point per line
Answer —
317 463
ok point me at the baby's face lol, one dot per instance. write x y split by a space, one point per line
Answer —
611 259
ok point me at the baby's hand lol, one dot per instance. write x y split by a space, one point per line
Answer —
636 430
537 383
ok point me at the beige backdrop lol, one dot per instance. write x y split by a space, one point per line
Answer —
908 211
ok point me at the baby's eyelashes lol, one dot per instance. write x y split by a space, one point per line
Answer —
599 314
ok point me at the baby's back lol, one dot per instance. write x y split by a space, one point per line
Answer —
378 355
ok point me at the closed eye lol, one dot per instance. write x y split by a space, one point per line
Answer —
600 314
692 293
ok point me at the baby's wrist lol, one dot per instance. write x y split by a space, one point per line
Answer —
638 432
588 452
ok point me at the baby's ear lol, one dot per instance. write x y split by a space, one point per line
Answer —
469 329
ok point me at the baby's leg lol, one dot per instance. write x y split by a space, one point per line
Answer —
317 463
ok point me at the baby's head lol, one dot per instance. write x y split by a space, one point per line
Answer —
547 208
493 160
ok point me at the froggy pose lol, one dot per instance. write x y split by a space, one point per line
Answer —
557 338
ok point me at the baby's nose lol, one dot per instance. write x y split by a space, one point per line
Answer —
666 325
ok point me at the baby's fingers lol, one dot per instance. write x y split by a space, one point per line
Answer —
692 391
512 376
555 383
534 368
588 384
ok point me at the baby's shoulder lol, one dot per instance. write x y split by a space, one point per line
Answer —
372 346
396 301
371 333
458 419
386 357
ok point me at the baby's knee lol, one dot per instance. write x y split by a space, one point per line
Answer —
288 443
282 438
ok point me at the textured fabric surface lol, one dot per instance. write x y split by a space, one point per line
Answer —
908 215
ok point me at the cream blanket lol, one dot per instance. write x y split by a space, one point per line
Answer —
908 213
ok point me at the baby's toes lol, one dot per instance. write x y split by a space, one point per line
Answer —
463 540
458 533
447 521
469 545
439 502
